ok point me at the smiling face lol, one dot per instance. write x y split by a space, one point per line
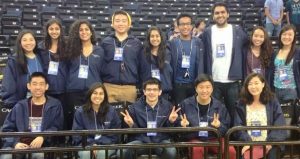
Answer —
85 32
155 38
204 90
121 24
54 31
255 86
152 93
185 26
220 16
287 37
28 43
37 86
258 37
97 96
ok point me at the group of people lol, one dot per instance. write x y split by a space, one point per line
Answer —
70 83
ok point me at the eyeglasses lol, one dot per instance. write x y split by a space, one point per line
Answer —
152 89
185 24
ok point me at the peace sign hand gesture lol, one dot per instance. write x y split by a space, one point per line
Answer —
127 118
174 114
184 122
216 122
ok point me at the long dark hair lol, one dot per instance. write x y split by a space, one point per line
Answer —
104 106
293 48
266 49
266 95
61 41
74 45
161 54
20 53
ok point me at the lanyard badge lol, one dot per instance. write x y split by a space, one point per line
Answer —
203 133
220 50
83 71
118 54
151 124
53 68
155 73
35 124
255 133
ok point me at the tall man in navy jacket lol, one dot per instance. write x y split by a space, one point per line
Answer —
223 56
151 111
186 58
124 62
35 114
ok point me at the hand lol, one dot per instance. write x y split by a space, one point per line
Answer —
274 22
268 148
244 149
174 114
127 118
184 122
37 142
20 145
216 122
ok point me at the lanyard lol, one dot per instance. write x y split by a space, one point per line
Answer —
156 113
36 65
88 59
181 47
121 44
199 111
95 119
50 56
31 111
252 61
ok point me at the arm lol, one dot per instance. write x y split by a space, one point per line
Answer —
241 135
77 125
278 120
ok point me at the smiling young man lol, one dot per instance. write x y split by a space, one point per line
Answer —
186 58
151 111
224 45
34 114
125 63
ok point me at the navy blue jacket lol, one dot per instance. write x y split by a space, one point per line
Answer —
189 107
86 121
18 119
57 83
135 65
296 71
138 114
95 59
197 45
274 118
240 39
165 75
14 83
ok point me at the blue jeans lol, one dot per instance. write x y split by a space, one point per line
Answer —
273 29
100 154
163 153
284 95
229 94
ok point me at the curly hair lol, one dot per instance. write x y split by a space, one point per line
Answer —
266 49
266 95
104 106
61 41
161 54
20 53
293 48
74 44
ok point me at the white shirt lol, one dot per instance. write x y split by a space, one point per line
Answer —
221 65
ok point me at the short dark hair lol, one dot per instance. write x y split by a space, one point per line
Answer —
197 24
203 78
219 4
38 74
152 81
182 16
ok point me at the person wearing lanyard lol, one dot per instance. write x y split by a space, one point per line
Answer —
53 47
258 107
34 114
96 114
186 59
85 61
224 44
19 67
258 52
203 110
159 59
124 62
285 67
151 111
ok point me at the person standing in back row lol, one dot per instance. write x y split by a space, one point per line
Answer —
224 45
124 62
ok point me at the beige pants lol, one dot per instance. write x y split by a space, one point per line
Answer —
120 93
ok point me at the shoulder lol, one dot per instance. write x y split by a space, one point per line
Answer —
53 101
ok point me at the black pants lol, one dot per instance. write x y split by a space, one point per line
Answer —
181 91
